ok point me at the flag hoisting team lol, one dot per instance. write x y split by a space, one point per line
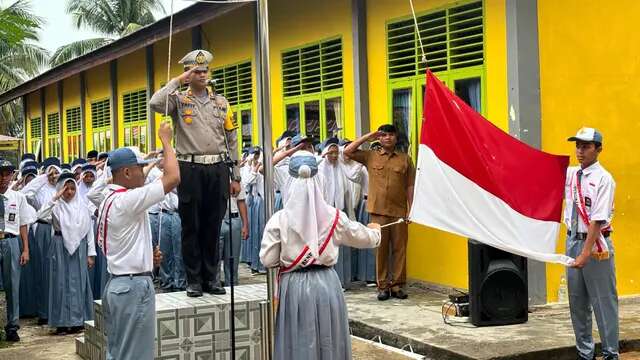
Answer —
94 229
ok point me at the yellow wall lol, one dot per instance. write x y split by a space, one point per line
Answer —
50 106
180 46
132 76
589 77
71 98
97 83
435 256
296 23
231 47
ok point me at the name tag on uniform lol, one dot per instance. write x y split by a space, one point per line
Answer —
587 201
12 217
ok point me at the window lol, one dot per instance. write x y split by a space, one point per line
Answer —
313 88
36 135
53 134
453 41
74 133
135 119
235 83
101 124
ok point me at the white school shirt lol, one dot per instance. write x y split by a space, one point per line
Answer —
17 212
598 188
170 201
282 248
128 240
39 192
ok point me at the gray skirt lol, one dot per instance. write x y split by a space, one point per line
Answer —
312 321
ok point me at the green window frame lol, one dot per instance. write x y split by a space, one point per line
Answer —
53 134
312 82
73 133
36 133
101 124
134 106
235 83
453 39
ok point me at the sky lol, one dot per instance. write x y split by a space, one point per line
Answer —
59 29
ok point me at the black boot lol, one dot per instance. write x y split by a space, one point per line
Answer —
194 290
12 336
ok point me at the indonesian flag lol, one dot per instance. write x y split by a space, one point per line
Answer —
479 182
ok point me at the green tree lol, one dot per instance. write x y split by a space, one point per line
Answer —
20 58
111 18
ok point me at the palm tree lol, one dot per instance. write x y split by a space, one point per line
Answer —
111 18
20 58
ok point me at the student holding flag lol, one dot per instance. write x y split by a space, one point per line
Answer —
592 278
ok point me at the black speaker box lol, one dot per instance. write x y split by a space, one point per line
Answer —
498 290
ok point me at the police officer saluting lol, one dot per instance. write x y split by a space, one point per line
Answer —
205 137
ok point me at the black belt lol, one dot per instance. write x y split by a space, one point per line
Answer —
234 215
6 235
42 222
146 273
313 267
57 233
583 236
167 211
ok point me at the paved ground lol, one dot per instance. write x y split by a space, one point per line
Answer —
418 321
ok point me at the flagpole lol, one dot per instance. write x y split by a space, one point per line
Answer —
264 115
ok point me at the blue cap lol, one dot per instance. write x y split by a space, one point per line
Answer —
65 168
298 139
79 161
64 177
587 134
286 134
51 161
296 162
6 165
123 157
103 155
29 167
92 154
29 156
88 167
330 141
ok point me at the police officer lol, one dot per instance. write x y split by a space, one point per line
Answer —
592 278
15 216
204 136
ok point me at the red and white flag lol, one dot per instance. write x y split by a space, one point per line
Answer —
479 182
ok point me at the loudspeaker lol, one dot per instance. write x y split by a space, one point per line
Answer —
498 292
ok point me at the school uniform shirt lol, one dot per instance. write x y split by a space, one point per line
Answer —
598 188
170 201
39 192
253 183
283 248
17 212
242 195
127 244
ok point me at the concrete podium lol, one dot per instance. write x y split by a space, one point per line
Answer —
192 328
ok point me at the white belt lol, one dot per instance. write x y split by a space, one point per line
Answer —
202 159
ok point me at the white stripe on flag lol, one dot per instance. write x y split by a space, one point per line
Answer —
445 199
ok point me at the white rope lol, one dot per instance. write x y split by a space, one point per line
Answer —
415 21
166 106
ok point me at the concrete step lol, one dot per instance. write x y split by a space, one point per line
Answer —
82 348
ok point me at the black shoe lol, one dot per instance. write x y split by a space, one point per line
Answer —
194 290
400 294
213 289
75 329
43 321
383 295
610 357
62 331
580 357
12 335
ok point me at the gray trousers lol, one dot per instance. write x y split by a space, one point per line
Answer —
10 264
593 287
129 313
228 249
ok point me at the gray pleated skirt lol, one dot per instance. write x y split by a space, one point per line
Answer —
312 321
70 298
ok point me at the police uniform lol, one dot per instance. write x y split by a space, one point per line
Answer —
15 212
124 235
589 194
205 133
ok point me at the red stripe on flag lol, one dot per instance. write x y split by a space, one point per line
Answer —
530 181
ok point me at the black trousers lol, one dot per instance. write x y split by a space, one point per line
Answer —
203 194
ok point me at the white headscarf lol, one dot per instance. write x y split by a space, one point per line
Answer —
308 215
74 219
335 182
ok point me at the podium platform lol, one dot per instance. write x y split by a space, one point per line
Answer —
192 328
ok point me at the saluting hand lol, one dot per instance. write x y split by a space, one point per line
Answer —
374 135
185 76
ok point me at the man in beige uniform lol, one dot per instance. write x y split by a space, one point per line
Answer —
205 139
